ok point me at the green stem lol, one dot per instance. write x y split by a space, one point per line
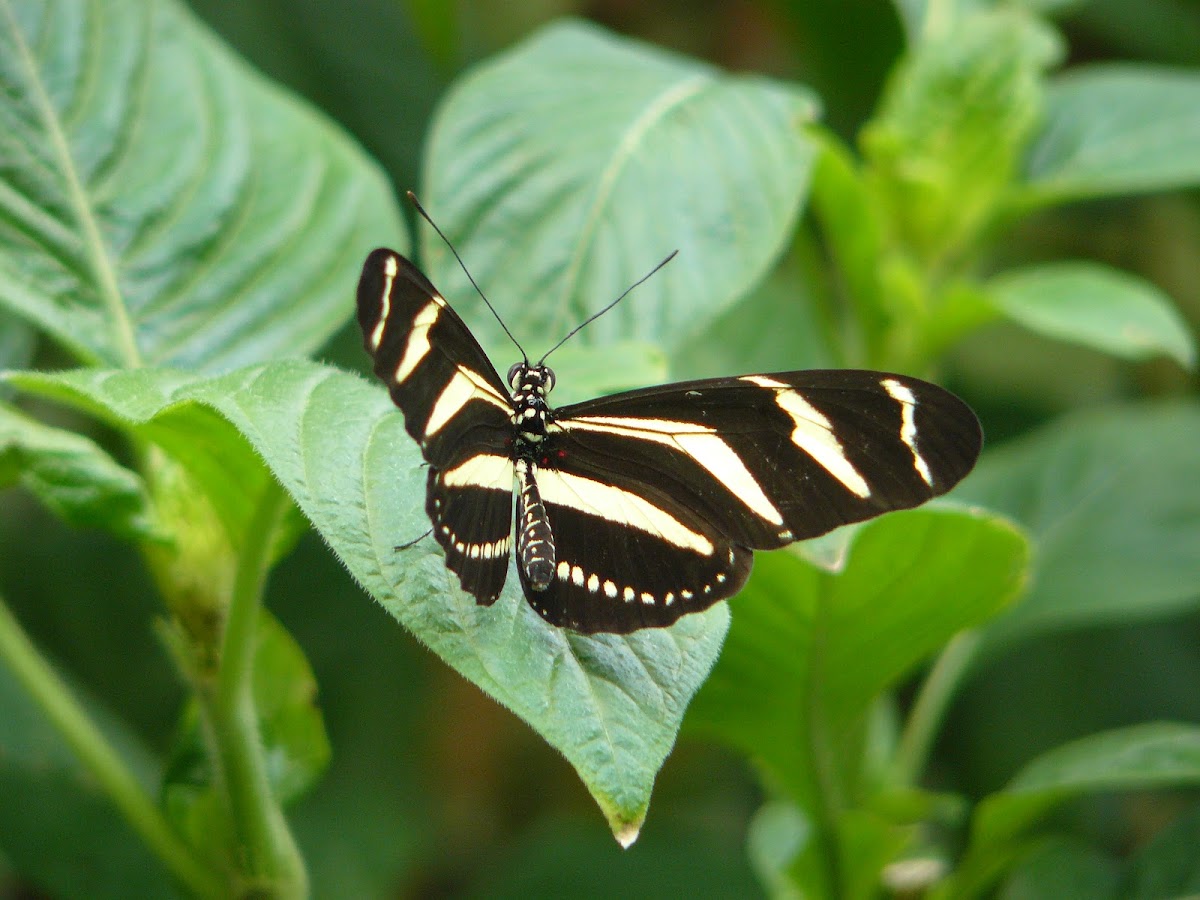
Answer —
100 759
270 859
929 710
827 796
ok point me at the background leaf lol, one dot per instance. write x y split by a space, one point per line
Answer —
1112 500
1168 866
1096 306
612 705
162 204
840 640
295 747
82 484
1116 128
48 802
567 167
1156 754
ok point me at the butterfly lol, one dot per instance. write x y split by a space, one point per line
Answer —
634 509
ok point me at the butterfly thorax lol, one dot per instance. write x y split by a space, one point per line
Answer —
530 415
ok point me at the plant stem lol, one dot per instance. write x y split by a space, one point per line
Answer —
933 698
99 758
826 788
270 859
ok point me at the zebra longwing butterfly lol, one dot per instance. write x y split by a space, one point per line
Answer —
638 508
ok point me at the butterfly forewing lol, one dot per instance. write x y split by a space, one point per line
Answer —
455 406
651 501
453 401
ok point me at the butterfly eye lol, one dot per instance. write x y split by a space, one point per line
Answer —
548 382
514 375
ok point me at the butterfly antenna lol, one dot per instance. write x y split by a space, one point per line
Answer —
412 198
595 316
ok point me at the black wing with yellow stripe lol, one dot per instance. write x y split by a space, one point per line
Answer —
635 509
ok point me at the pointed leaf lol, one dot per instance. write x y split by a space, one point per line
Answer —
1116 128
1096 306
567 167
161 203
1154 755
612 705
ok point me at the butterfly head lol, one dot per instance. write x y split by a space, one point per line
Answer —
528 380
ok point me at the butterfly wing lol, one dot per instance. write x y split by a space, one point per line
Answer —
455 407
661 493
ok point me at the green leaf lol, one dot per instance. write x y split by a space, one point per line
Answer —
74 477
567 167
49 802
953 121
1115 128
1060 869
1168 866
161 203
295 745
1097 306
1159 754
778 834
809 652
1113 503
612 705
584 371
17 341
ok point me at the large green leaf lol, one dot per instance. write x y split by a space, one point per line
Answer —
162 204
567 167
1113 502
809 651
612 705
1097 306
1116 128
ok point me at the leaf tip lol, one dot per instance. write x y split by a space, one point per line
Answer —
627 834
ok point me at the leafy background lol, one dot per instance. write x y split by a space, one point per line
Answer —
434 789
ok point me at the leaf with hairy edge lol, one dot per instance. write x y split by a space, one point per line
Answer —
567 167
612 705
160 203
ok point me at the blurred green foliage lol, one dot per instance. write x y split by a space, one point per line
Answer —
998 194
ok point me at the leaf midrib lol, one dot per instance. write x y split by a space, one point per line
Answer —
99 264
